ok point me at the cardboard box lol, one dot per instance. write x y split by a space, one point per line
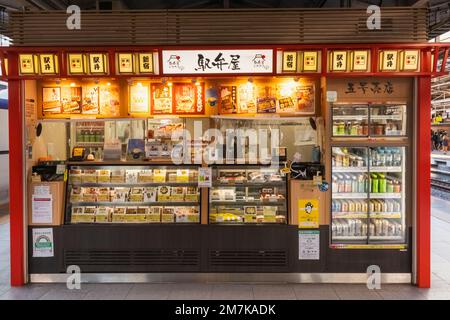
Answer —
57 191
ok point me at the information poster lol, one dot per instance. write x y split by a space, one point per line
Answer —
43 242
308 245
308 213
305 99
110 100
139 98
228 99
161 99
90 100
42 208
204 177
71 99
185 98
51 100
266 101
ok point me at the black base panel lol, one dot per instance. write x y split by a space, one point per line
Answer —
204 248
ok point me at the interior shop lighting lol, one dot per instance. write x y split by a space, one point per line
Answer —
72 84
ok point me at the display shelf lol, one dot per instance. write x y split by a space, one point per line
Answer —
339 215
386 117
349 169
386 215
385 195
386 169
249 203
136 204
351 118
354 238
337 195
248 184
387 238
130 185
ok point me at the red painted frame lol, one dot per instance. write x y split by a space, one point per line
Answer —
427 70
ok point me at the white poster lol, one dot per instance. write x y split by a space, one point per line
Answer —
217 61
42 208
43 242
204 177
309 245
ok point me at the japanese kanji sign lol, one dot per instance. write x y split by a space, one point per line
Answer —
410 60
217 61
26 64
97 63
310 61
125 62
338 61
76 62
145 62
48 63
389 60
360 60
289 61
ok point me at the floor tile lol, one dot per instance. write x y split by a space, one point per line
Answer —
62 293
274 292
196 291
149 292
107 291
29 292
232 292
315 292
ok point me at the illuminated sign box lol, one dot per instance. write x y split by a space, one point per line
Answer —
217 61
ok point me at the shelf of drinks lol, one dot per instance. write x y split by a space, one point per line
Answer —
385 195
386 238
364 169
387 117
349 169
135 204
130 185
337 195
350 238
343 195
362 215
90 144
351 117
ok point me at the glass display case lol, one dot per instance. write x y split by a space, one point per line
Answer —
247 195
132 194
368 195
362 120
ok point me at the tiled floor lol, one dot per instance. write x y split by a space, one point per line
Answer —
440 280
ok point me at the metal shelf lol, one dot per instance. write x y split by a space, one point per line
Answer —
243 202
136 204
386 195
343 195
131 185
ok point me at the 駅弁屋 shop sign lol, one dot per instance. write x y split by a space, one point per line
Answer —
217 61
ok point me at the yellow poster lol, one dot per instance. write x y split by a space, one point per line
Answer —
308 213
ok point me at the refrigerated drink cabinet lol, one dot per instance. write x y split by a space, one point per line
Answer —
369 147
368 195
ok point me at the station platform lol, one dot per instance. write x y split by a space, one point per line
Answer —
440 287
